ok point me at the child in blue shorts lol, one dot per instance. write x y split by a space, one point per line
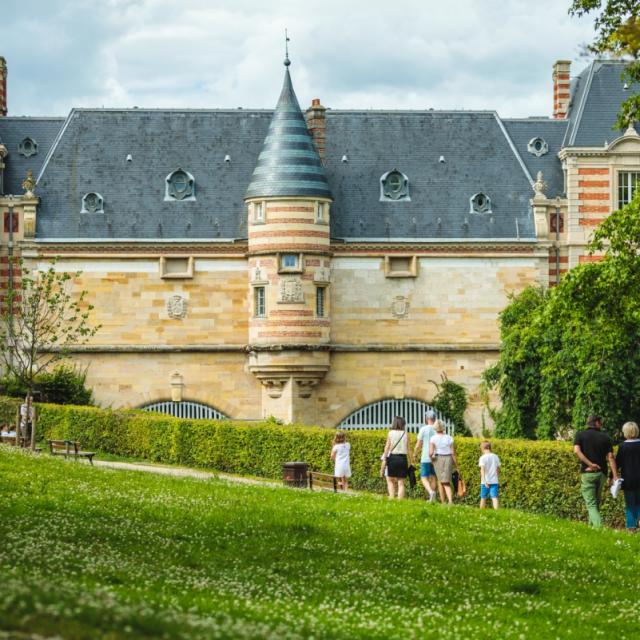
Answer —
489 464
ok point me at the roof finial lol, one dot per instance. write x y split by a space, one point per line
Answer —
287 62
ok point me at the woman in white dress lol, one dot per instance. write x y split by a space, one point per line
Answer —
341 453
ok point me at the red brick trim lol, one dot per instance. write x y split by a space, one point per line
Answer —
590 195
592 171
593 183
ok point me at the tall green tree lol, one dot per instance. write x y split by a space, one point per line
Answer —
41 320
573 350
617 34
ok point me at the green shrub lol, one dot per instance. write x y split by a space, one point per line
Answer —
8 410
64 385
540 477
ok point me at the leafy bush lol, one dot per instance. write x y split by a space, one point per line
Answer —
451 401
64 385
572 351
8 411
540 477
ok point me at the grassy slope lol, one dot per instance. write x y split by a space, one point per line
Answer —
97 553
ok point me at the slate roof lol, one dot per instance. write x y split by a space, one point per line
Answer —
91 156
478 158
12 132
289 164
522 131
482 154
595 100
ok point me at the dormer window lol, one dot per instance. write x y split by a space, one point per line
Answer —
180 185
28 147
92 203
538 147
480 203
394 185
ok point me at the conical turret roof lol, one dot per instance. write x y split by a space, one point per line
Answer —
289 164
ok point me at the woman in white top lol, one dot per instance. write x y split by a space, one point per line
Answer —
443 454
340 454
397 454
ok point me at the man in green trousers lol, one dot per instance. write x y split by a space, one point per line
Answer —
594 449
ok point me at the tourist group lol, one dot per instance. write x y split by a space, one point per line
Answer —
439 464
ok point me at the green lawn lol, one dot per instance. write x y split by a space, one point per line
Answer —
99 553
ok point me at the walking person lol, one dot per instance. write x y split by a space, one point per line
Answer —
27 417
594 449
397 454
443 452
489 464
427 470
341 455
628 463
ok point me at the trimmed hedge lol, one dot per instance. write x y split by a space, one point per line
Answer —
540 477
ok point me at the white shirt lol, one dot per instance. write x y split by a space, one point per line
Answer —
399 437
491 463
442 443
425 435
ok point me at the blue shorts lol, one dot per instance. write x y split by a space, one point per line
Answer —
427 469
491 491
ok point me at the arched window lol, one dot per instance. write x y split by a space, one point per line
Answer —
185 409
92 203
380 415
180 185
394 185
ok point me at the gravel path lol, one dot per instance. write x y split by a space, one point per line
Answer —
180 472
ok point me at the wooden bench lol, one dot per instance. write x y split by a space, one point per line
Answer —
69 448
322 481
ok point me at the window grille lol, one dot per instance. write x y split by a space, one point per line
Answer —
259 307
380 415
189 410
320 293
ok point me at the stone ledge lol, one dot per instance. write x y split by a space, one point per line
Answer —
242 348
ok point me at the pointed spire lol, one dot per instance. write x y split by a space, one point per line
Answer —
289 164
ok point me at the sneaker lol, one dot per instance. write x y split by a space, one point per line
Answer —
432 496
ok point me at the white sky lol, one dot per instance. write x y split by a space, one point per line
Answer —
355 54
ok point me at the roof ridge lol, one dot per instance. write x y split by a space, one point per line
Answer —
514 149
583 101
54 144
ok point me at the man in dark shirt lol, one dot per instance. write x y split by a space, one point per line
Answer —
594 449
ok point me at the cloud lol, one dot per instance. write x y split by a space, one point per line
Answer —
196 53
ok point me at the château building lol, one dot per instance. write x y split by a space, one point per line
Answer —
309 265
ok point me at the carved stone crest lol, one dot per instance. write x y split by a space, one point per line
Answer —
291 291
177 307
400 307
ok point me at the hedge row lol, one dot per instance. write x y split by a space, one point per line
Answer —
540 477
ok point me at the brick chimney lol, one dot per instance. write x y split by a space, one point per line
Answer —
3 86
561 94
315 116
